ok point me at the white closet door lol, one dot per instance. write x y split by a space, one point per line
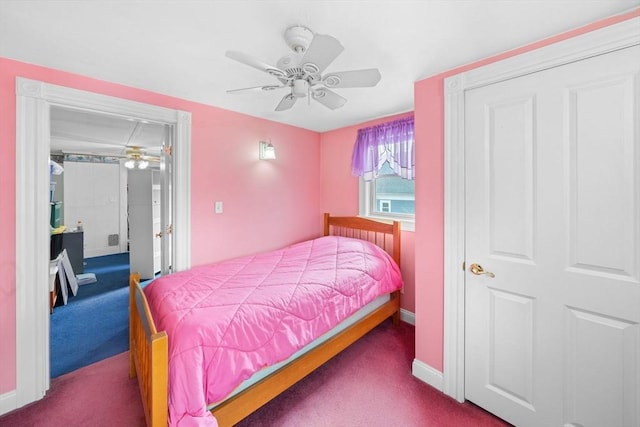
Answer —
553 211
145 212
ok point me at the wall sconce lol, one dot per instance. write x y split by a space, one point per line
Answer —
267 151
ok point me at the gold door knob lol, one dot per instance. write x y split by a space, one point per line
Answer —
478 270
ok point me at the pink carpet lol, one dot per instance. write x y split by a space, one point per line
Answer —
96 395
369 384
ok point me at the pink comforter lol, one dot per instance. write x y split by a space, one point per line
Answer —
225 321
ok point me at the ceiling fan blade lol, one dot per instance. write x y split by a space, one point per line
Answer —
266 88
255 63
357 78
328 98
321 52
286 102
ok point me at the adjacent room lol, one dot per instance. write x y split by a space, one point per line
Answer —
310 212
106 205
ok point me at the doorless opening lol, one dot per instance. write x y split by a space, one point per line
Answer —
34 100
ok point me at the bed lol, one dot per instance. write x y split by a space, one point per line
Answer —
151 326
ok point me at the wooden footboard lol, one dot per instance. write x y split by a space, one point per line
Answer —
149 348
148 356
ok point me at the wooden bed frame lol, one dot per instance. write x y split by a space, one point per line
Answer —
148 354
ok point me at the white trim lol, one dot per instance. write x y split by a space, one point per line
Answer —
598 42
32 243
7 402
124 225
427 374
454 232
407 317
182 194
33 102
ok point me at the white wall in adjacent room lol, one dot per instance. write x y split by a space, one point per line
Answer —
95 193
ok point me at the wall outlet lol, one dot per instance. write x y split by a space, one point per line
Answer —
218 207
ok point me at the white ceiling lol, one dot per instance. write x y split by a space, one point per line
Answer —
178 47
82 132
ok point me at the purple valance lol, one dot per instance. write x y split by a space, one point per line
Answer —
392 142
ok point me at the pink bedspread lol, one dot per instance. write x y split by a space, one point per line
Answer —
225 321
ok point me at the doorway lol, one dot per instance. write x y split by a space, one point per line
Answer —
108 168
594 324
34 100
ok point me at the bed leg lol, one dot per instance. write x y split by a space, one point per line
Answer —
396 316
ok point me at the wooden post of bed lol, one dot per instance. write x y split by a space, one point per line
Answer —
148 356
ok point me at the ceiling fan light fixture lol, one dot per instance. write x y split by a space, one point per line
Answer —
136 164
135 159
300 88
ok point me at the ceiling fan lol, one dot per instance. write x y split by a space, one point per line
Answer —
138 159
301 72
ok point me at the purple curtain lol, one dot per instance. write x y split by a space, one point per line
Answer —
392 142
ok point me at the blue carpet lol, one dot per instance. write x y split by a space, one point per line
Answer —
94 325
112 272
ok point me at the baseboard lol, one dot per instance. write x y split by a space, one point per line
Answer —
407 316
8 402
426 373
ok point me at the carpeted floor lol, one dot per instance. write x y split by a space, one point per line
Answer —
369 384
112 273
94 324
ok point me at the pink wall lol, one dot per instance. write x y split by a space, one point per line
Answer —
429 248
266 204
7 217
339 192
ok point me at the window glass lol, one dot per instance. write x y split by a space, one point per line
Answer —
393 194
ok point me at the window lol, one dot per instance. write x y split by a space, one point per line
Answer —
385 205
384 159
393 194
389 196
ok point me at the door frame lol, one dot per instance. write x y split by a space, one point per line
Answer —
608 39
33 103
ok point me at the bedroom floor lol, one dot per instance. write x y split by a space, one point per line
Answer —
368 384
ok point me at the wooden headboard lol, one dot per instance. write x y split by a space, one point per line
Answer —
383 234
